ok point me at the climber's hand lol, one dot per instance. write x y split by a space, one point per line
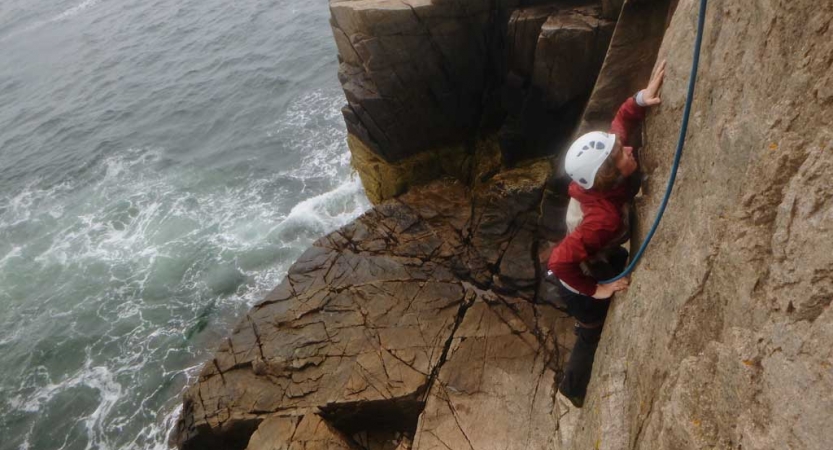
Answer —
650 95
607 290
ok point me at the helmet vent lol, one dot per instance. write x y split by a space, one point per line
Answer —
600 145
579 154
582 181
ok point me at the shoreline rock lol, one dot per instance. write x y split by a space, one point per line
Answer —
375 320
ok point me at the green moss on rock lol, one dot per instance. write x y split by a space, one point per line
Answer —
472 164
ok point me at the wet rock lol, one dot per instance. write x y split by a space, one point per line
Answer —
383 180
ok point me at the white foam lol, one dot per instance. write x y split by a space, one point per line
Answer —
331 209
99 378
324 148
15 252
64 15
75 10
114 221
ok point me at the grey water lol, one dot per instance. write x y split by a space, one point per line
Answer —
162 163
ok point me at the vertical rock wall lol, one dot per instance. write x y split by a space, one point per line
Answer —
629 61
425 80
724 338
414 71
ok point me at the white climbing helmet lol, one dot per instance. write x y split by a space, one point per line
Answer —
586 155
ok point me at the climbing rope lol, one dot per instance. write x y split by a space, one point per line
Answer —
680 142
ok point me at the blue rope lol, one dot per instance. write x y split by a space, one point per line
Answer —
680 142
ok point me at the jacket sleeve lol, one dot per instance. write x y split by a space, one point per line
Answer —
565 263
594 232
628 117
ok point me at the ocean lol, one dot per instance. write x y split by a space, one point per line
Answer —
162 164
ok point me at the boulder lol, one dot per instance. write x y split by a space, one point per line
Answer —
423 79
311 432
612 8
308 432
554 55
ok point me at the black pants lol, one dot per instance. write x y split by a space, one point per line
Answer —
590 314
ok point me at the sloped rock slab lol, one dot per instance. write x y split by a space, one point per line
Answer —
311 432
358 330
496 390
308 432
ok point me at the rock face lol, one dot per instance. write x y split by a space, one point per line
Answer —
555 52
414 71
570 50
724 339
496 358
385 318
422 325
628 63
522 34
430 77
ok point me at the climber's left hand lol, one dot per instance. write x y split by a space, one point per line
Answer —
650 95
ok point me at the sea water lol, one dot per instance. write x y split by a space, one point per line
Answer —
162 164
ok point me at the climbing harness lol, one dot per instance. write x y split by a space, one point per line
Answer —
680 142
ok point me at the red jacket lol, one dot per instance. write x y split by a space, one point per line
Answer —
602 214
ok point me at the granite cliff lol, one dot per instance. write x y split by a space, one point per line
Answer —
424 324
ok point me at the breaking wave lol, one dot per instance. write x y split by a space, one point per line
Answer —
144 261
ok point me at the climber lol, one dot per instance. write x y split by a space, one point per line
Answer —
601 166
